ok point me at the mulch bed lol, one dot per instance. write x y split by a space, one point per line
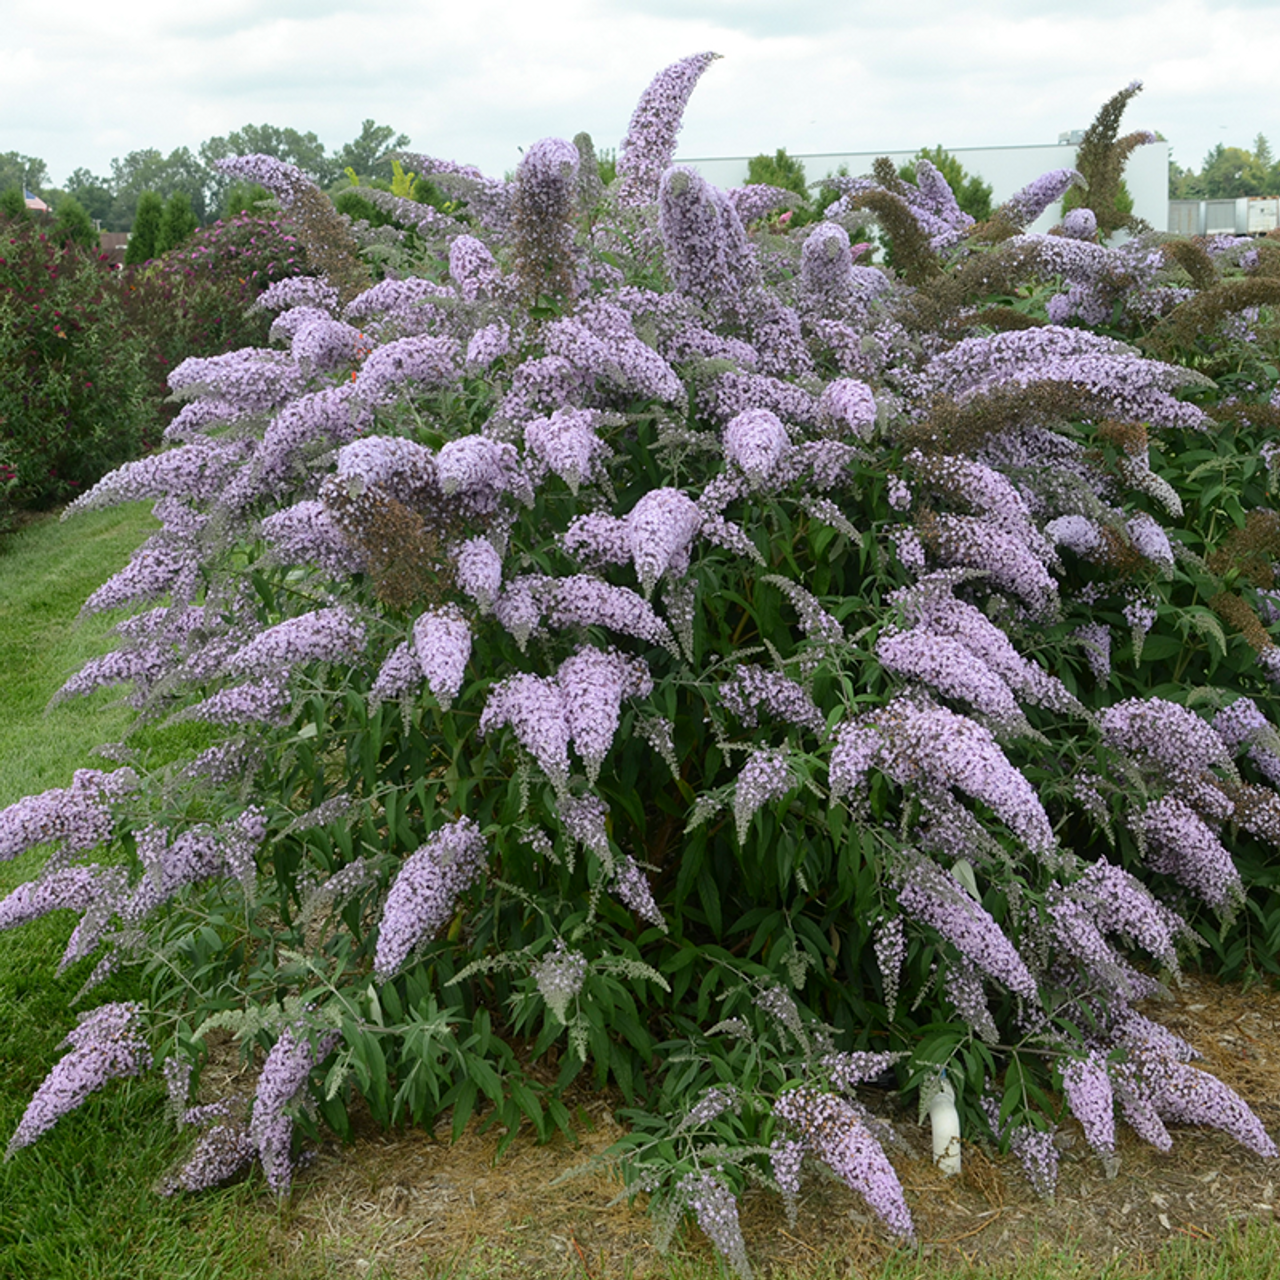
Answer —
414 1204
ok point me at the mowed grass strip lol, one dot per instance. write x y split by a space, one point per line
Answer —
79 1202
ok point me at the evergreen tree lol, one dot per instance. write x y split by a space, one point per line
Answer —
146 229
73 223
176 223
13 206
778 170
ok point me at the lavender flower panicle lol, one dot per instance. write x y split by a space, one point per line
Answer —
107 1045
535 709
558 976
1087 1088
936 898
833 1130
593 683
423 896
442 642
716 1209
284 1075
660 530
765 777
650 143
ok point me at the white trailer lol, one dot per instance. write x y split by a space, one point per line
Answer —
1242 216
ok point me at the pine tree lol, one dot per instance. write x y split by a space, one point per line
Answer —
73 223
176 223
146 230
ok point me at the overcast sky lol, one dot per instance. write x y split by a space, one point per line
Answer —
475 80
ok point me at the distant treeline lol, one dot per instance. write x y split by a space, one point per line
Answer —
112 201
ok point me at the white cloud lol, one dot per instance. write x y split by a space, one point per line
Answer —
478 80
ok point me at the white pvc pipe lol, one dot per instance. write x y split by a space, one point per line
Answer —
945 1121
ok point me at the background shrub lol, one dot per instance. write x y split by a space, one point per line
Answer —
75 399
196 300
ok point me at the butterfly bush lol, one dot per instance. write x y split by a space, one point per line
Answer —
619 607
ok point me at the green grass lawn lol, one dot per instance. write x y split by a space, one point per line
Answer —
78 1203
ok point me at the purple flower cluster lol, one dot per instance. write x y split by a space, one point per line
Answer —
487 345
834 1132
716 1209
254 381
442 643
766 776
566 443
949 667
1183 845
256 702
77 818
660 530
323 635
1175 744
1035 1148
472 266
752 689
755 442
1087 1088
477 570
975 543
920 743
707 253
631 888
534 707
580 600
650 143
423 896
1027 204
284 1076
198 471
594 682
936 898
559 976
107 1045
931 605
1155 1086
306 533
848 407
419 359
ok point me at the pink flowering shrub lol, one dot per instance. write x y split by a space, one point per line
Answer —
595 660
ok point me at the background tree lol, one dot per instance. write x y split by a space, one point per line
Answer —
778 170
176 224
72 223
364 152
149 170
93 192
17 170
13 207
146 229
1227 173
971 193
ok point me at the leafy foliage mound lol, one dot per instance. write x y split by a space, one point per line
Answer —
197 300
705 663
74 397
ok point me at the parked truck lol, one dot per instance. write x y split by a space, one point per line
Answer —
1243 216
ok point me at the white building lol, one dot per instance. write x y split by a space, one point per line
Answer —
1006 169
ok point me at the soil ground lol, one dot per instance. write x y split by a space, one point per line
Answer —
414 1204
